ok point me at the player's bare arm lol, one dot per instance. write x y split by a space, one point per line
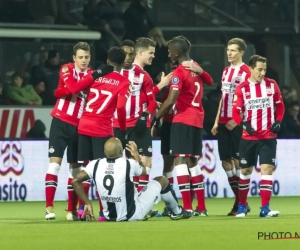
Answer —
214 129
132 148
78 188
195 68
168 104
77 185
76 86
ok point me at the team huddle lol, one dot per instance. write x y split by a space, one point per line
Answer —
100 113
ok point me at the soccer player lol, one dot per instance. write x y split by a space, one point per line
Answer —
141 103
228 133
129 47
257 99
113 177
63 132
186 132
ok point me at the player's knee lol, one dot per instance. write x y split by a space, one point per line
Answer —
147 161
227 164
168 163
191 162
57 160
163 181
246 171
236 164
267 169
53 168
179 160
75 165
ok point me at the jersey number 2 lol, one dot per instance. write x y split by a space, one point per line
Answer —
97 94
108 183
194 103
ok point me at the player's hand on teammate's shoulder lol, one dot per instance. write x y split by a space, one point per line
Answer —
214 129
231 124
165 79
190 65
158 105
102 71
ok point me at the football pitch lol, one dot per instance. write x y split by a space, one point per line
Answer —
22 226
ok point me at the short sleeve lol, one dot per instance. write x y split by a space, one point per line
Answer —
89 169
135 168
177 80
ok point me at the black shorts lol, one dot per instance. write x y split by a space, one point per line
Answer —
143 141
90 147
165 136
229 142
63 135
251 149
120 136
185 140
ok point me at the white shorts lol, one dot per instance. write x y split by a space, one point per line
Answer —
146 199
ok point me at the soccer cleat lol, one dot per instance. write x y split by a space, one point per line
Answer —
267 212
50 215
150 214
183 215
248 208
101 217
166 213
197 212
72 216
233 211
80 215
242 210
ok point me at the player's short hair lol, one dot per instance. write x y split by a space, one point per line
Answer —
144 43
182 45
256 58
81 45
128 43
239 42
116 55
185 39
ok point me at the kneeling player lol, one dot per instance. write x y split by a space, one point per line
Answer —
113 177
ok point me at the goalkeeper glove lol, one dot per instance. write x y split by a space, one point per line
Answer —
246 126
275 127
102 71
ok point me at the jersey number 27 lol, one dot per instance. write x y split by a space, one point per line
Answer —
108 95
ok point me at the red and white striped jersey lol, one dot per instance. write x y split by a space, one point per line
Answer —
257 101
232 76
141 97
69 109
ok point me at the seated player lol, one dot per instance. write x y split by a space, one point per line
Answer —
113 177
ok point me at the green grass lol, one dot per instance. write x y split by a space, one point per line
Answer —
22 226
